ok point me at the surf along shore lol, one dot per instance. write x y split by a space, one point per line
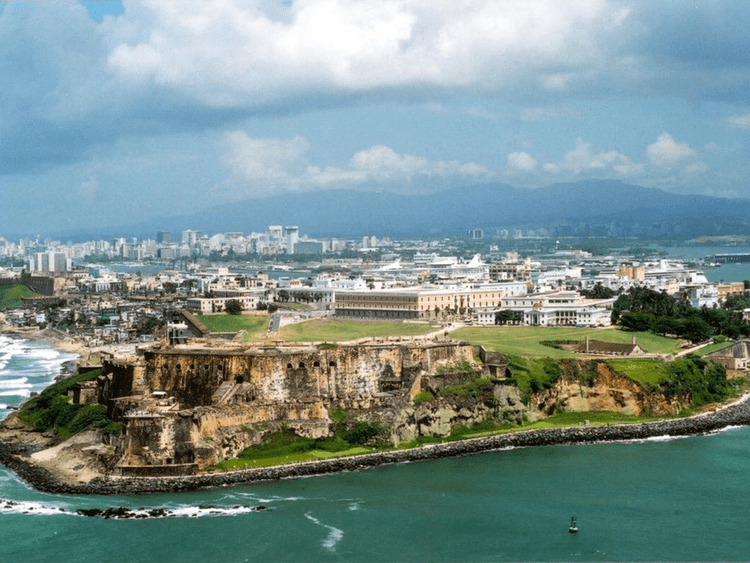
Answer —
67 469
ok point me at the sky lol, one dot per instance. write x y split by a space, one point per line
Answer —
116 112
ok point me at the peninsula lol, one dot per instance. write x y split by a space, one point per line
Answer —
169 417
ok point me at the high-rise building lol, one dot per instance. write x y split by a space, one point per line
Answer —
292 236
49 261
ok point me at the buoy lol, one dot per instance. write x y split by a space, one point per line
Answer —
573 526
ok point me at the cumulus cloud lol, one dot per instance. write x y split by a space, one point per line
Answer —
669 164
583 160
520 161
668 153
237 53
257 165
263 160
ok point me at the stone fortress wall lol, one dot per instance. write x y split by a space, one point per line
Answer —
193 405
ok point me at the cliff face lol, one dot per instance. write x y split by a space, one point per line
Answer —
608 391
441 416
177 422
195 406
221 401
281 374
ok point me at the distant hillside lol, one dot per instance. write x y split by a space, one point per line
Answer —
583 208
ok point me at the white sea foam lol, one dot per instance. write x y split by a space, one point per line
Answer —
26 507
16 393
48 354
334 536
254 498
18 382
201 511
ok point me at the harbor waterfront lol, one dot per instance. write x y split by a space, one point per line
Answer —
641 500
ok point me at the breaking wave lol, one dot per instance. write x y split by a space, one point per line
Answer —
123 513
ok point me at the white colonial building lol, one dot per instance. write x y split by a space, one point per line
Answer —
558 308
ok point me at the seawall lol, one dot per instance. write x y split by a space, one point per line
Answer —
735 414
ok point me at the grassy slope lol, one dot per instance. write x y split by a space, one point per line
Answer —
646 372
250 460
10 295
330 330
535 366
255 326
333 330
525 341
713 347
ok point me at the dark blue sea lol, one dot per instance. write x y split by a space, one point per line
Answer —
659 500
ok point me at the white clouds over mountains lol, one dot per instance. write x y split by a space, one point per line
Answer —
253 96
260 166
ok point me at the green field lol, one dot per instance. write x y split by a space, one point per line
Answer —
327 330
333 330
293 457
595 418
254 326
526 341
713 347
645 372
10 295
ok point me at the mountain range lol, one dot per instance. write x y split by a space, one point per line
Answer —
590 208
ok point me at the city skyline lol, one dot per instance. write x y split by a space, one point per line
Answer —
116 113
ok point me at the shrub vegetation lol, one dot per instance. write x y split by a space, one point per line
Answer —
350 437
53 411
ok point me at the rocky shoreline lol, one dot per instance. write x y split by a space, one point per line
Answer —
735 414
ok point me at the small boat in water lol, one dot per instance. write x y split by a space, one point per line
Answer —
573 526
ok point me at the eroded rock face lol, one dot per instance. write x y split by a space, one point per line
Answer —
609 391
222 401
200 405
440 416
194 375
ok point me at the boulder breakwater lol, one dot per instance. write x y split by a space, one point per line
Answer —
735 414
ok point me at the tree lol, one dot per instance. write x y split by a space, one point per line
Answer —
695 329
598 292
508 317
636 321
233 307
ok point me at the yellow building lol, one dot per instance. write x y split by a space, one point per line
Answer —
422 303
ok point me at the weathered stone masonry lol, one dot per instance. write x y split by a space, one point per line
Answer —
195 405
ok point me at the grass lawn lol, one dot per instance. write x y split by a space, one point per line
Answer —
254 325
525 340
10 295
333 330
595 418
713 347
645 372
293 457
